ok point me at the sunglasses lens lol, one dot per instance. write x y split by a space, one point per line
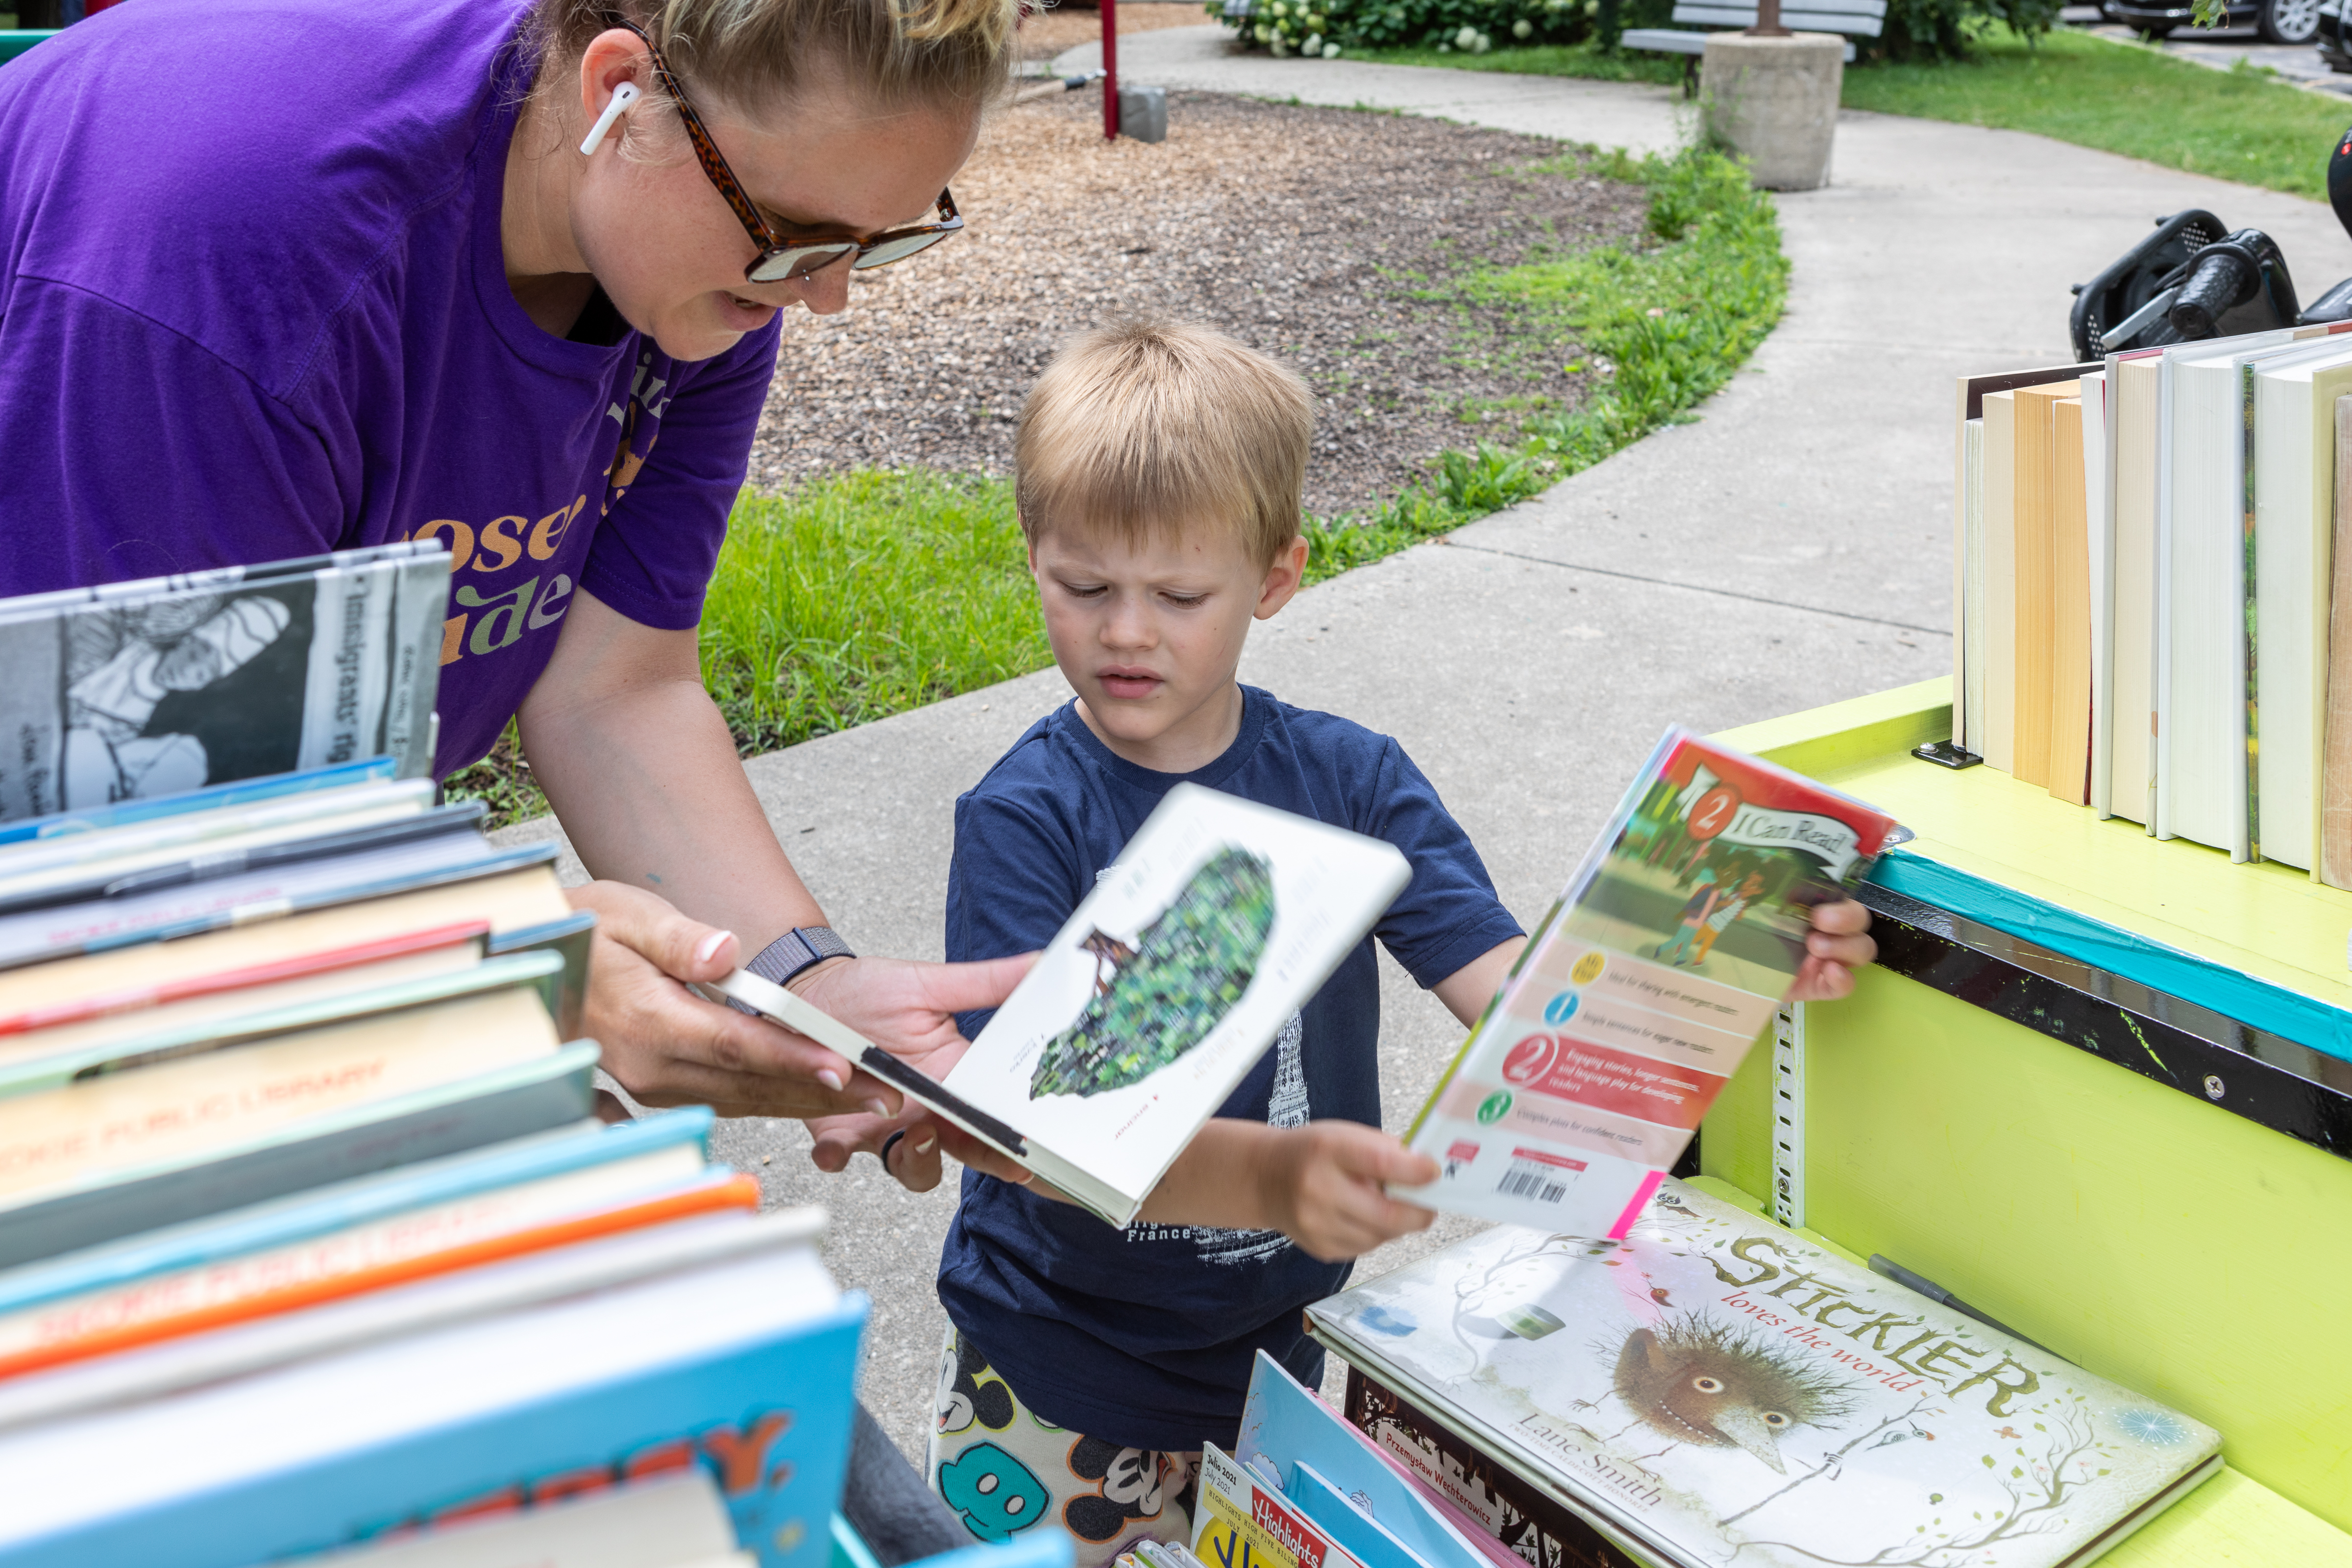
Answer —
796 261
901 248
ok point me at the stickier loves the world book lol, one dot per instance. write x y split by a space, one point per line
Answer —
1713 1389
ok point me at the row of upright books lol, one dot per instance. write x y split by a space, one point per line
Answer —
309 1243
2145 572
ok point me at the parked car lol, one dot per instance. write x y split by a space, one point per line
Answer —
2334 45
2278 21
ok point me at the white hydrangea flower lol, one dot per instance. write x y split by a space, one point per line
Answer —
1330 52
1482 44
1522 27
1467 38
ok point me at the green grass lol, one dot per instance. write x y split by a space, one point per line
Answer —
2096 93
1674 320
863 594
2241 125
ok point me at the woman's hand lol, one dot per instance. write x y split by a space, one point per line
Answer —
668 1046
1838 944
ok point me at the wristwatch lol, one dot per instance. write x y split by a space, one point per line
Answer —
799 948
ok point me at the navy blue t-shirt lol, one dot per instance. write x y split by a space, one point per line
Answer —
1146 1338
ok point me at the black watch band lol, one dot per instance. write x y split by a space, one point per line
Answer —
798 949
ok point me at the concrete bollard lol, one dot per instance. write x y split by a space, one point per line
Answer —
1143 112
1775 103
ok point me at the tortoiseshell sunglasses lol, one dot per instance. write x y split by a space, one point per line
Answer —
781 259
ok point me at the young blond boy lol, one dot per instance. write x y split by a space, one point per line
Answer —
1159 467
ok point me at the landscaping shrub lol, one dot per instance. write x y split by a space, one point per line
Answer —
1329 27
1944 29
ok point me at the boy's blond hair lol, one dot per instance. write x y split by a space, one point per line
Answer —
1149 426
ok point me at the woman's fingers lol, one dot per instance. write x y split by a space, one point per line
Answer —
668 1046
652 927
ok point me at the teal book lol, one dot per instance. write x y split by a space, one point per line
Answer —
1286 1431
188 803
741 1366
342 1205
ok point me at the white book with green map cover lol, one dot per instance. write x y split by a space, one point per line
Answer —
1168 981
1714 1389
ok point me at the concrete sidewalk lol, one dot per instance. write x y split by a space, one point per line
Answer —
1790 548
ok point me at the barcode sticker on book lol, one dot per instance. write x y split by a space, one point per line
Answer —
1532 1173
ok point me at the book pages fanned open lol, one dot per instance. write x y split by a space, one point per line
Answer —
1168 981
1714 1389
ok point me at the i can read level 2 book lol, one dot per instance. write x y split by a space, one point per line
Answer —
1678 936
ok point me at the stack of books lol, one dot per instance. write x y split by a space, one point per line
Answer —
2143 564
309 1242
1715 1389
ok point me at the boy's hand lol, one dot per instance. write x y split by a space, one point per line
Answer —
1838 944
1323 1186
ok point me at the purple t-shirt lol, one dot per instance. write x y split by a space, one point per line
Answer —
253 305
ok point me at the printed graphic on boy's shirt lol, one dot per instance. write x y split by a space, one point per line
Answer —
993 1493
1286 1107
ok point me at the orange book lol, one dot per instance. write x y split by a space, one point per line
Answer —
736 1193
2036 570
2070 609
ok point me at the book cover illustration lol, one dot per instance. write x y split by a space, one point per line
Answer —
1638 995
203 684
1160 996
1718 1391
1169 980
1239 1522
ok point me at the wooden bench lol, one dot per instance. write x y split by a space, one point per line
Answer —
1855 18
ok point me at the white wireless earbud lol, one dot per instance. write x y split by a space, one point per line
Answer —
622 96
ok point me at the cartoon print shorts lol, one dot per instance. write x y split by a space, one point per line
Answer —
1003 1471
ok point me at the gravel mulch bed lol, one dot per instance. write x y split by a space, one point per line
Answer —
1305 232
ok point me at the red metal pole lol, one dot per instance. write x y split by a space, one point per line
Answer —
1110 69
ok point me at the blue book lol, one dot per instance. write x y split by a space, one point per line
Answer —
286 1221
216 798
1283 1424
1371 1543
236 900
742 1365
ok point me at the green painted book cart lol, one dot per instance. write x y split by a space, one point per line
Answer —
2098 1086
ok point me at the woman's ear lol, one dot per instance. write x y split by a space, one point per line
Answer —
613 59
1282 578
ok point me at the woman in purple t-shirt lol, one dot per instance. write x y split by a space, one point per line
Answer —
295 275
